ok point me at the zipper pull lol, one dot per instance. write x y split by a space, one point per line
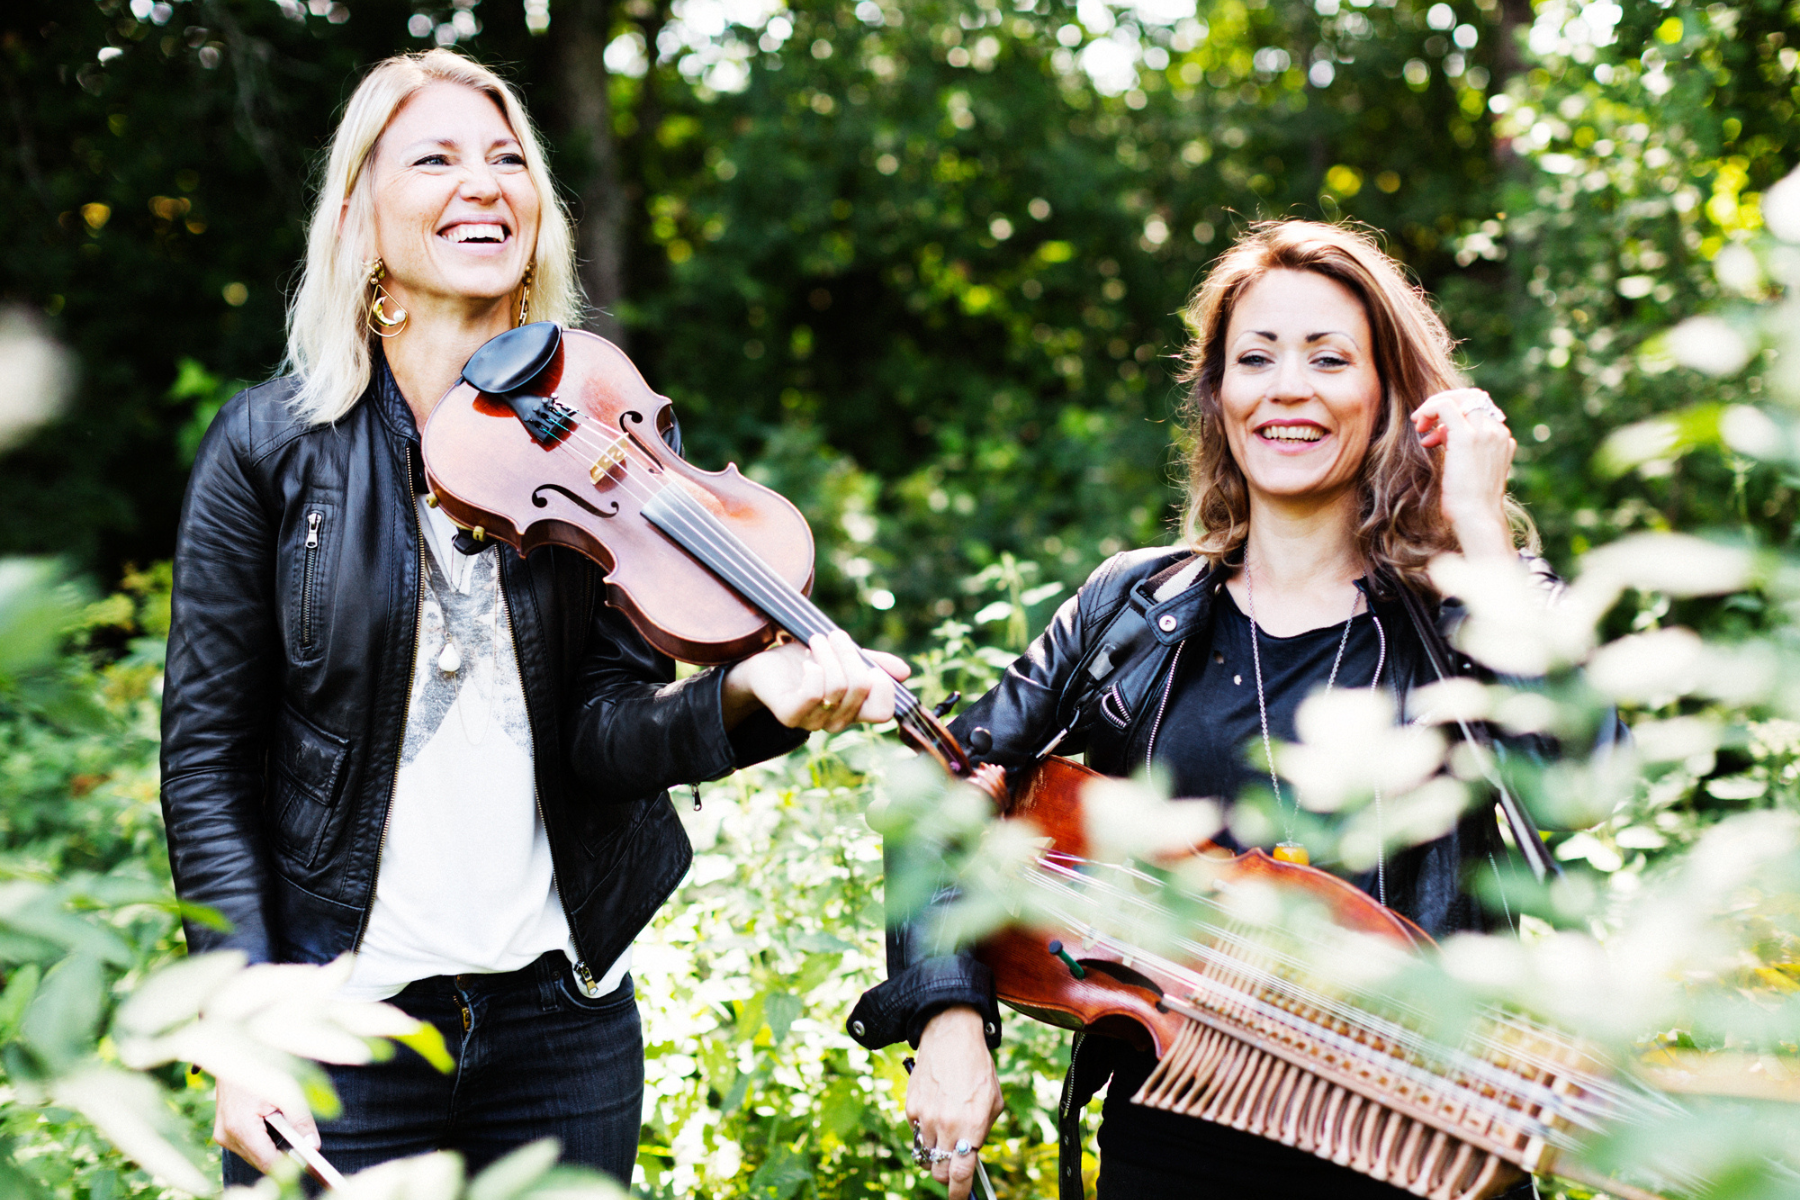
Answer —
584 978
695 789
312 529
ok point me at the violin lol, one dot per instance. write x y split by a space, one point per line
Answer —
1246 1034
552 437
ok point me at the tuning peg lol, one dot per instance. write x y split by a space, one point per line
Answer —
1075 968
945 705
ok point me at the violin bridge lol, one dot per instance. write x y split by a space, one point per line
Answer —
609 458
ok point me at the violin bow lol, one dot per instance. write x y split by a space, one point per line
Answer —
314 1162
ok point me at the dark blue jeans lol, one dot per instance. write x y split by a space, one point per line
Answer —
534 1058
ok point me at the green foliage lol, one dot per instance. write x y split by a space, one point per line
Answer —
918 266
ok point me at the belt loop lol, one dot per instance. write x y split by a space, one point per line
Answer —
547 966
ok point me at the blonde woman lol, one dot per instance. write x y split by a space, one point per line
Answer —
384 741
1336 450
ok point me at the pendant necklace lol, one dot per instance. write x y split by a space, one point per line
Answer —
450 660
1291 850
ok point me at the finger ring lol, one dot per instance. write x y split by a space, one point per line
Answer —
938 1156
963 1147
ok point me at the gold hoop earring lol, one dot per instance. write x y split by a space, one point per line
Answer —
378 319
525 294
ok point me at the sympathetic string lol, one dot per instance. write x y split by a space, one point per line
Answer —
1508 1091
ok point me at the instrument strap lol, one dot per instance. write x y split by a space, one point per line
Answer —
1068 1131
1114 645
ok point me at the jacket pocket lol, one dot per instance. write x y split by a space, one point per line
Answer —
311 559
306 775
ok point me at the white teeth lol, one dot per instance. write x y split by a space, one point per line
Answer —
474 233
1292 433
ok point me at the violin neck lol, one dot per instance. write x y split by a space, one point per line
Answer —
697 530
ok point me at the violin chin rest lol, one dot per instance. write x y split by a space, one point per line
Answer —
507 363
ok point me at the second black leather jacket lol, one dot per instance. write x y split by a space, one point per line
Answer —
290 661
1095 682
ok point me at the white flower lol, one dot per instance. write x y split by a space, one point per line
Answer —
1649 667
1781 208
1709 345
1350 748
1515 624
1126 818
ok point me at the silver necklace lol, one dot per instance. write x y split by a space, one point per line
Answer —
450 659
1291 850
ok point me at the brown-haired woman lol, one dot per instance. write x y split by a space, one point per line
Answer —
1336 451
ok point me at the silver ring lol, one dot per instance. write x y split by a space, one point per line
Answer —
1488 407
963 1148
938 1156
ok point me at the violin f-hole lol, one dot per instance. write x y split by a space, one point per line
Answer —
537 499
652 448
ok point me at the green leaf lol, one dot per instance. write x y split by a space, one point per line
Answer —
734 1096
841 1109
782 1010
62 1019
429 1044
34 612
780 1175
15 1184
512 1175
19 990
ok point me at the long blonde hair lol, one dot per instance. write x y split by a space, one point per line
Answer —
329 343
1400 525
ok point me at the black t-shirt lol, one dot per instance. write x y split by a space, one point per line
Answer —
1211 743
1211 737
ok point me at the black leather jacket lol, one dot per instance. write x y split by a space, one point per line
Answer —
1096 682
290 662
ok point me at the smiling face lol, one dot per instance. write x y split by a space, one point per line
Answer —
1300 393
456 215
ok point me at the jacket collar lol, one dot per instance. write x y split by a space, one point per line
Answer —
397 415
1177 601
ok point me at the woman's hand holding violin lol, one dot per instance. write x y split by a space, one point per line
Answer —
825 685
953 1095
1478 454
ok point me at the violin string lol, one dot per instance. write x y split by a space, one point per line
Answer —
1362 1018
1299 964
1608 1101
774 596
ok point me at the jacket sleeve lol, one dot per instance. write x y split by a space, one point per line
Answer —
220 691
1010 726
635 730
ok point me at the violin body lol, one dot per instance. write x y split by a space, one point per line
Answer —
587 488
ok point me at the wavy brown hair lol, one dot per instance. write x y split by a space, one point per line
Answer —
1400 525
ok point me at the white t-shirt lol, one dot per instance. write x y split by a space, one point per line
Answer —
465 883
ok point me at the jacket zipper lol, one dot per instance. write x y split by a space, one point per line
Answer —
412 661
1168 686
308 573
584 975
